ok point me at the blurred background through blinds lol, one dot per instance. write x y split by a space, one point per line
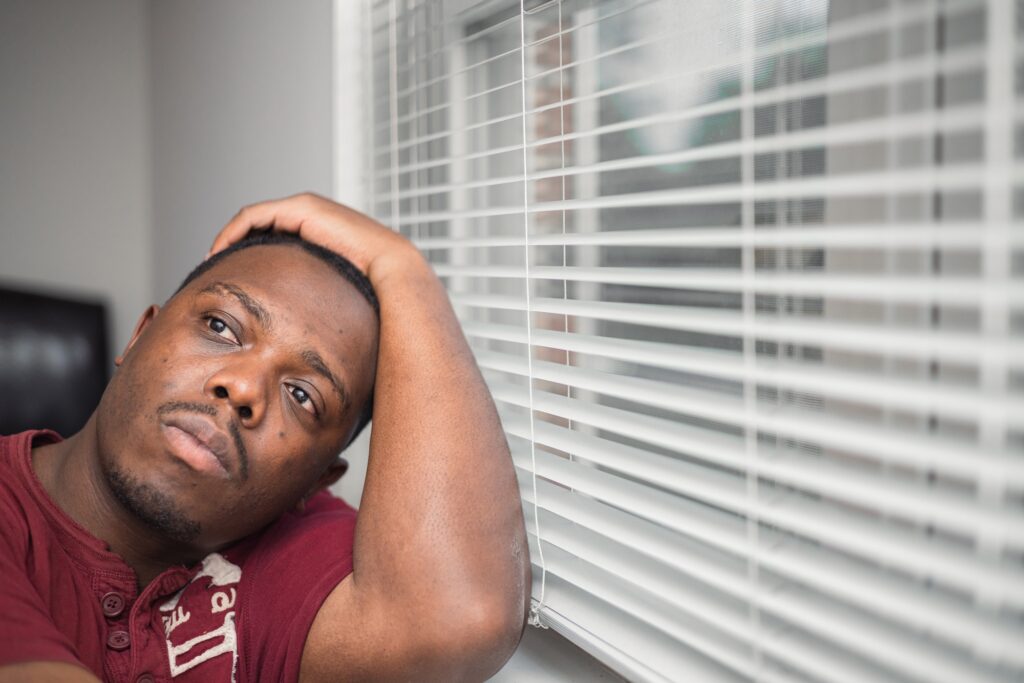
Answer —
757 268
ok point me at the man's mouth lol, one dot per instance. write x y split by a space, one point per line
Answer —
196 441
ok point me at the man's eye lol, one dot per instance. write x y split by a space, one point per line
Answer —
221 328
303 398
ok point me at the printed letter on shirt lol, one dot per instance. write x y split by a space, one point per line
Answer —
206 635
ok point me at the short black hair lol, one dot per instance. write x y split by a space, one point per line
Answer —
339 263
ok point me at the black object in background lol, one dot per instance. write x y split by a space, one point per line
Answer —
53 361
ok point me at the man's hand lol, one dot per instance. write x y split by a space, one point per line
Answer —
356 236
441 573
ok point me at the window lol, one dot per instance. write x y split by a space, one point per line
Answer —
746 279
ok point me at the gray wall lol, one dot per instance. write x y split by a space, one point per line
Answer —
74 151
233 99
241 112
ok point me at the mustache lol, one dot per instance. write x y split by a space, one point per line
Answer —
204 409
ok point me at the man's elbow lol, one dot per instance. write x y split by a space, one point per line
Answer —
489 617
472 629
486 635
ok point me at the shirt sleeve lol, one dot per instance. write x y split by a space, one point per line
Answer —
297 564
27 631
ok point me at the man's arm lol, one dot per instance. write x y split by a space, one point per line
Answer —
441 572
45 672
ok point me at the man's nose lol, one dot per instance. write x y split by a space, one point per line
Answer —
242 387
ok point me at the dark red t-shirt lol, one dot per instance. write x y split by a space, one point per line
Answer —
241 615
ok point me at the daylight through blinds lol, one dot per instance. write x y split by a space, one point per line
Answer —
746 280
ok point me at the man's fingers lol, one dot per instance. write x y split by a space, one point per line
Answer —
256 216
279 214
320 221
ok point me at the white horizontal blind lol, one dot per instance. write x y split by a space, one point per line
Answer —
746 279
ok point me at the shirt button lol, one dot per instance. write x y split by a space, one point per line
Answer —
145 678
118 640
112 604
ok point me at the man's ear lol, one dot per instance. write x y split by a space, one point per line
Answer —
144 320
334 472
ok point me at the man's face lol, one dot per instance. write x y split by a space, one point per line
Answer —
235 399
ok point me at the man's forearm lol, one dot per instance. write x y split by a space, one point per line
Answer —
441 525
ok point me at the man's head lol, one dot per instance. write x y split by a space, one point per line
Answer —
233 401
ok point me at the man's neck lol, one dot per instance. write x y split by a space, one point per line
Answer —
71 473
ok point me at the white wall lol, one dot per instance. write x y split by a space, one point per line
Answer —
74 152
241 113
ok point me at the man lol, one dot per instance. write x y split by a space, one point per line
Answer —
183 534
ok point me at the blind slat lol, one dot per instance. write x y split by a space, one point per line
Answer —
921 395
966 291
953 121
956 513
864 236
961 177
644 650
842 83
891 645
898 599
716 406
918 343
887 545
862 26
886 445
598 582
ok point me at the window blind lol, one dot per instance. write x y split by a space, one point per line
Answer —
746 280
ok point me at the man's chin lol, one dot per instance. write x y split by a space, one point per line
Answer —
153 507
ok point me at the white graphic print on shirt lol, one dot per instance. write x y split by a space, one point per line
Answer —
207 636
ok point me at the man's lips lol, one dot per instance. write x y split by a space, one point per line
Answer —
197 441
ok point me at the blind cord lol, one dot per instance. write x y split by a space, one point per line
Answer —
396 219
535 607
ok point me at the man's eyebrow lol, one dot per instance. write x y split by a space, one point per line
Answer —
254 307
316 363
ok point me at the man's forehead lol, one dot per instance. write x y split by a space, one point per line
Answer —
246 258
279 273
